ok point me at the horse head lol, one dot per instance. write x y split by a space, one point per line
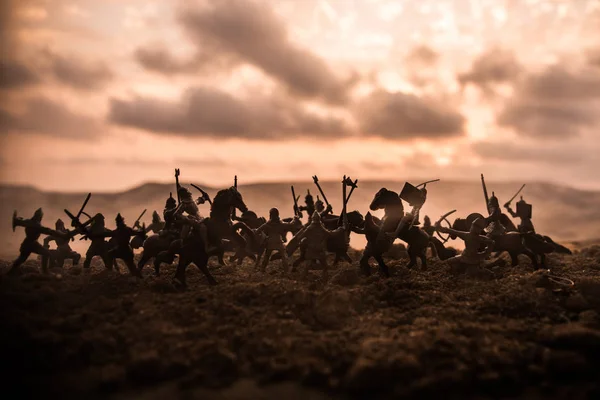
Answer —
356 219
384 198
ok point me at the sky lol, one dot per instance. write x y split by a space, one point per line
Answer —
105 95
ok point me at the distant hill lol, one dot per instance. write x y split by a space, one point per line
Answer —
564 213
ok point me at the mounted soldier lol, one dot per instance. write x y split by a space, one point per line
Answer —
524 213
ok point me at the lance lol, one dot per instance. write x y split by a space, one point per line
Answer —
425 183
140 217
485 194
316 180
233 213
177 173
512 198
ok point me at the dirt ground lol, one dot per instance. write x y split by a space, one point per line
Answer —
420 334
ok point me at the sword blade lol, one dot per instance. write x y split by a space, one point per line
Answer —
84 204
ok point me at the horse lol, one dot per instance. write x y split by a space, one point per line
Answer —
512 242
256 246
220 226
377 241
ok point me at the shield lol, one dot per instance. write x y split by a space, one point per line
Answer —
412 195
294 243
524 210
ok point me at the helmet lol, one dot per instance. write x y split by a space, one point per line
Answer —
319 205
38 214
427 220
171 202
155 217
274 213
119 219
60 224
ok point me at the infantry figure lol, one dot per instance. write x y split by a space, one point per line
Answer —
63 249
275 230
33 231
316 236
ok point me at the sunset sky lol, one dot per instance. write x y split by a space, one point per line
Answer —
104 95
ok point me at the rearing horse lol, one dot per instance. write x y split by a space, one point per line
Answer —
378 242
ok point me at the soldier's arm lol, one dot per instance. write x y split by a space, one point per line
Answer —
443 229
511 212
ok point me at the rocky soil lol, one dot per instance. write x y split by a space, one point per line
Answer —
420 334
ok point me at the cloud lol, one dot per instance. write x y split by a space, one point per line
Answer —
555 103
45 116
422 56
254 34
15 75
209 112
494 66
80 74
397 115
158 59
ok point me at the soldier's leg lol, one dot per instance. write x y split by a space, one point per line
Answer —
204 236
24 254
37 248
323 262
127 256
266 260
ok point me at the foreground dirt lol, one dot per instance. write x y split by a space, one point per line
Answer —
420 334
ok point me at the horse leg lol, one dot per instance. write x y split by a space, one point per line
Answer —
337 259
514 258
383 268
347 258
201 262
364 262
179 278
423 258
532 257
143 260
543 260
412 256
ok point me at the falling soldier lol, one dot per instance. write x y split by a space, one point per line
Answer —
472 260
